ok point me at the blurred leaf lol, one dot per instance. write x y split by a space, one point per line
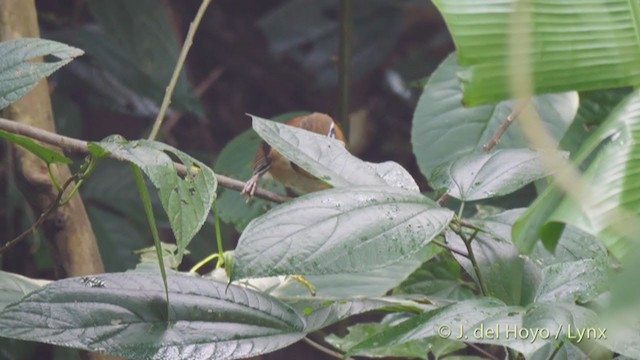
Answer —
121 314
443 129
594 48
14 287
139 47
418 349
308 33
336 231
18 75
149 255
187 201
47 155
613 173
327 158
480 176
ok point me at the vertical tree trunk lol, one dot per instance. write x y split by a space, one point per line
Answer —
68 229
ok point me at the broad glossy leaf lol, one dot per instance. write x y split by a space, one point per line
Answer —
580 281
337 231
371 283
595 48
19 74
46 154
323 157
14 287
187 200
480 176
122 314
443 129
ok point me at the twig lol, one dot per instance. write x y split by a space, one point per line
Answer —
344 69
178 69
324 349
505 125
483 351
445 246
76 146
474 262
43 216
496 138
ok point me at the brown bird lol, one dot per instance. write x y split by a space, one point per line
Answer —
284 171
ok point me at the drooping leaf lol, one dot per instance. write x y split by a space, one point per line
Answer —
327 158
337 231
443 129
122 314
14 287
187 200
18 74
47 155
480 176
595 48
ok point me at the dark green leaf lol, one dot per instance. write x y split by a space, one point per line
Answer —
338 231
188 200
18 75
122 314
14 287
47 155
595 48
443 129
480 176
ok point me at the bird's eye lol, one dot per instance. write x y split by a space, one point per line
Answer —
332 131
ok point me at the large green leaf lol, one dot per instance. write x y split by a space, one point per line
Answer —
481 176
18 74
14 287
575 45
342 230
187 200
327 158
123 314
613 173
443 129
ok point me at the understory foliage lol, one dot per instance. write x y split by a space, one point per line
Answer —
456 271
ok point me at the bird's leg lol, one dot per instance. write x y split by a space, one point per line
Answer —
251 185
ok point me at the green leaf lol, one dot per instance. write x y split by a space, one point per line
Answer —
417 349
612 173
121 314
47 155
338 231
328 160
480 176
443 129
14 287
18 75
595 48
188 200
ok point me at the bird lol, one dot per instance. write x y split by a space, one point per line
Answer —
293 177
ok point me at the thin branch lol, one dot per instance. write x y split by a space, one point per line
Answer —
445 246
80 147
178 69
43 216
505 125
483 351
324 349
474 262
344 69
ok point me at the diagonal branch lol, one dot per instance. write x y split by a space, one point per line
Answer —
80 147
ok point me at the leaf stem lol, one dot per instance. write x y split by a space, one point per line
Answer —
474 261
148 209
216 222
203 262
178 69
447 247
324 349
